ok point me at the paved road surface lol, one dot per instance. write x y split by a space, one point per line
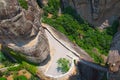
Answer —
58 51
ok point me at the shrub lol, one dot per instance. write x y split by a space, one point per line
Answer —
23 4
52 7
8 63
113 29
2 57
5 60
3 78
16 68
63 65
31 68
22 77
34 78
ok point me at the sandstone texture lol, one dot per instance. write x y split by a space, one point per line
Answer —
100 13
21 30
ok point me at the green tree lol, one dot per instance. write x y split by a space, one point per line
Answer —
63 64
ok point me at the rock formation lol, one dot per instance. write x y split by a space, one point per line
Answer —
97 12
114 58
21 30
101 13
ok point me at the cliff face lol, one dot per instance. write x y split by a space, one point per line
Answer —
114 58
88 72
101 13
21 30
97 12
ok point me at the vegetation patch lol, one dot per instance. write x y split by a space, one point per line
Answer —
23 4
63 65
3 78
20 73
22 77
5 61
31 68
13 71
2 57
79 31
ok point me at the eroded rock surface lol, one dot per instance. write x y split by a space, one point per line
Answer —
21 30
114 58
97 12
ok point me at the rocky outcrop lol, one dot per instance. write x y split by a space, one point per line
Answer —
97 12
21 30
114 58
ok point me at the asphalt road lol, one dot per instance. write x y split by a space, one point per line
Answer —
57 51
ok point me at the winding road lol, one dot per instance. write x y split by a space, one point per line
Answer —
58 49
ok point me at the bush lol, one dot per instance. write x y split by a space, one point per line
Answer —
34 78
23 4
22 77
52 7
3 78
31 68
8 63
113 29
16 68
5 60
63 65
2 57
